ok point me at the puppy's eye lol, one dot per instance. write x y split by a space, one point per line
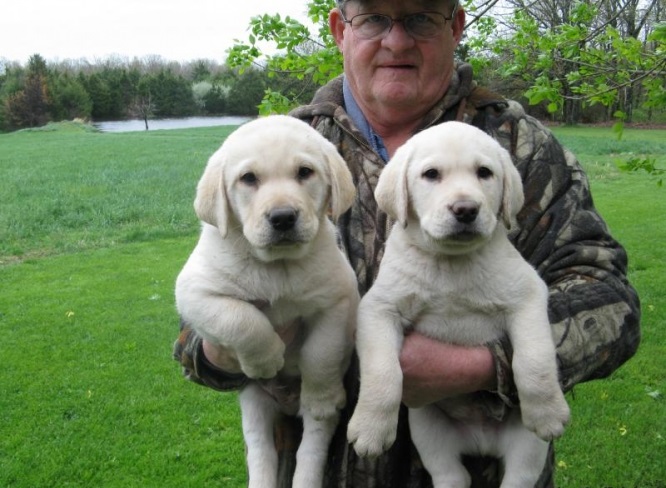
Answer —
249 178
484 172
304 173
431 174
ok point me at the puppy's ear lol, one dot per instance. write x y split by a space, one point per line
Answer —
512 191
343 190
210 203
391 192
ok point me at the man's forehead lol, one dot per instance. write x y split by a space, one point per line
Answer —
420 4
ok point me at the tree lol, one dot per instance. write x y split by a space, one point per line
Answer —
200 91
201 71
302 55
100 96
573 55
246 93
171 94
37 66
215 101
142 106
28 106
69 99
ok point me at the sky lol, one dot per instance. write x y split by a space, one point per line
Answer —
177 30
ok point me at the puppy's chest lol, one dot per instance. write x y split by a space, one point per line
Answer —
284 312
281 298
460 315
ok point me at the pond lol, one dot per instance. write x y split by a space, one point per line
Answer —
166 124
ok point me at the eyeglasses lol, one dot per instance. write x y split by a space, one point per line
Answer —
419 25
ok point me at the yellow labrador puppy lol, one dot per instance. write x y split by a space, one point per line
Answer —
267 262
450 272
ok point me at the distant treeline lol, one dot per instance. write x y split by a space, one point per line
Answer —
116 89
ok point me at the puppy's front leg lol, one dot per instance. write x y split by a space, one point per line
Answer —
324 358
242 327
373 426
258 418
313 451
543 407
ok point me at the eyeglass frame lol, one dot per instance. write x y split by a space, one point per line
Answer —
393 20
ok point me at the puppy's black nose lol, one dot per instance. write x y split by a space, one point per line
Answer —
282 218
465 211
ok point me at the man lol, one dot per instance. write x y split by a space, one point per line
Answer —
399 78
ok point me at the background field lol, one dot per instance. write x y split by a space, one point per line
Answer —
93 231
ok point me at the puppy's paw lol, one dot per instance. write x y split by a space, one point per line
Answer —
264 365
548 419
323 403
371 433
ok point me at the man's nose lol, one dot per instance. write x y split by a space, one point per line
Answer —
398 35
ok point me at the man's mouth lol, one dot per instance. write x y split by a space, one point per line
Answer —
400 66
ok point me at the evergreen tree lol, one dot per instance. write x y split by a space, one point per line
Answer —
28 107
69 99
246 93
100 97
215 101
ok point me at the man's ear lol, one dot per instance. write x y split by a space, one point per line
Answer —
458 24
336 25
211 204
391 192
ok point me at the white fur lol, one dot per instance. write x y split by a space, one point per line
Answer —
247 279
461 282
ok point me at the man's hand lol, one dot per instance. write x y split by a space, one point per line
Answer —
221 357
225 358
433 370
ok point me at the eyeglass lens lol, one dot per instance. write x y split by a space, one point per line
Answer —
422 25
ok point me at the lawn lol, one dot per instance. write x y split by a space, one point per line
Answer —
617 438
93 231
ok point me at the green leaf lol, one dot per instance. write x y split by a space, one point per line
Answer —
618 128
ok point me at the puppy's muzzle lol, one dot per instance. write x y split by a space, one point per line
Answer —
465 211
282 219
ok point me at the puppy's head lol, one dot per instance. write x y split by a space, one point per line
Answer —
451 183
274 179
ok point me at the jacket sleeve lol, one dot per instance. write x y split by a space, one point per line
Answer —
188 351
593 310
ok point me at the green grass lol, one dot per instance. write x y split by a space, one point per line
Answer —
91 396
93 231
95 228
618 434
70 191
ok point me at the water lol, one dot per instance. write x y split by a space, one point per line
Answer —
166 124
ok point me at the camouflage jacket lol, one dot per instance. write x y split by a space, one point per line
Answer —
593 310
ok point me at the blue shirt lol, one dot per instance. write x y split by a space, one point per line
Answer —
354 111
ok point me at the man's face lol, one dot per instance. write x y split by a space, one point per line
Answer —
397 72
